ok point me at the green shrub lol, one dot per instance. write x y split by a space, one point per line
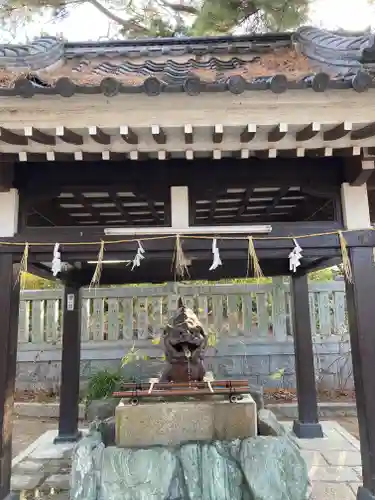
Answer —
102 384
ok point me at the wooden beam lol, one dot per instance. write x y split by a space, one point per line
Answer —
245 200
359 170
321 263
282 192
278 132
361 315
188 134
41 137
162 155
337 132
307 425
213 198
97 135
70 367
218 134
308 132
68 136
128 135
11 138
42 271
248 133
89 208
9 305
142 193
276 172
363 133
119 205
160 137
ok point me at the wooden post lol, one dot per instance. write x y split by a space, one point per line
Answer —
361 314
307 425
70 367
9 305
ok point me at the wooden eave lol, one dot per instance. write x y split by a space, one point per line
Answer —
297 124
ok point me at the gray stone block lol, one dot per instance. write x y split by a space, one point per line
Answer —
343 458
332 491
333 474
172 423
101 409
22 482
268 424
57 481
313 458
259 365
229 367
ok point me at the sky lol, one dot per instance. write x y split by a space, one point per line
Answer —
330 14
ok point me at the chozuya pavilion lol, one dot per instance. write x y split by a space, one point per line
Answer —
257 143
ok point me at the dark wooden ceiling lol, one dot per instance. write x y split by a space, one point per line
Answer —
223 192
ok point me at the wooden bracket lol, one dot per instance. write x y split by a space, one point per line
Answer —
359 170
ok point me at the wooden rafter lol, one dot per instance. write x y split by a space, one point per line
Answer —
308 132
96 214
119 205
244 202
68 136
363 133
128 135
188 134
159 135
213 195
145 195
11 138
358 170
99 136
337 132
278 197
248 133
36 135
277 133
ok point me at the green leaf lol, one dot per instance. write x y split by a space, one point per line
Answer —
278 374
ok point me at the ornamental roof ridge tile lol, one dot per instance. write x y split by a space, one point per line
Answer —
309 58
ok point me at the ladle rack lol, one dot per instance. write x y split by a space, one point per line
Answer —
234 389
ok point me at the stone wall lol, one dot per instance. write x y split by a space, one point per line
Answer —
262 362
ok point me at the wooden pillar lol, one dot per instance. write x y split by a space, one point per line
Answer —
307 425
361 315
9 306
70 367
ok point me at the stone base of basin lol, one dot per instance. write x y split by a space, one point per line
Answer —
172 423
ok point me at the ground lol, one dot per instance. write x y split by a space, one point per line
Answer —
26 431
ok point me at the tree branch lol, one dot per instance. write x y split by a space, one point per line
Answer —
125 23
188 9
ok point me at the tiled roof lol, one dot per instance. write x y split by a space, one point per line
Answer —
309 58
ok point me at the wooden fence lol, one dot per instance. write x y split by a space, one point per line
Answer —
139 313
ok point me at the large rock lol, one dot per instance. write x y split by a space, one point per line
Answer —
257 394
101 409
107 429
274 469
86 464
211 471
137 474
259 468
268 425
